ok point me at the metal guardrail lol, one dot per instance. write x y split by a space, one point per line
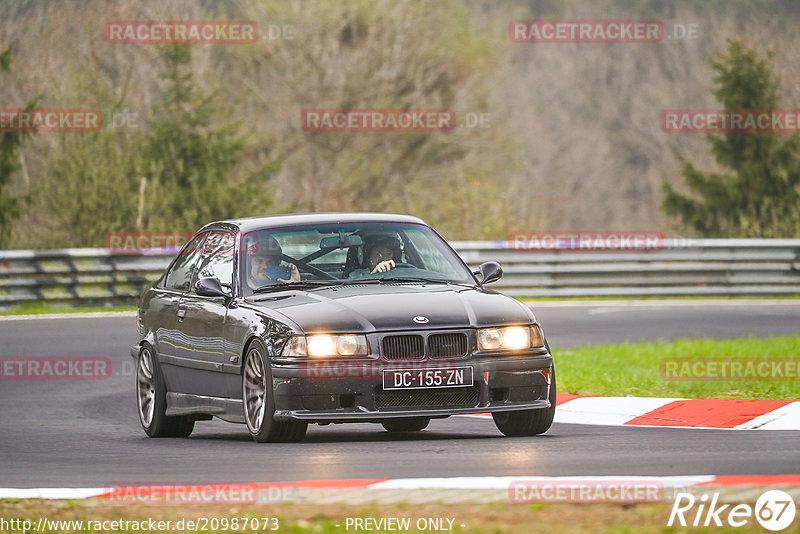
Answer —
707 267
89 277
702 267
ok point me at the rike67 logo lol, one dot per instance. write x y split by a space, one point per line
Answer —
774 510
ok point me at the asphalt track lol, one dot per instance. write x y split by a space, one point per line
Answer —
86 433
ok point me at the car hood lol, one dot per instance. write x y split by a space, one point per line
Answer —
367 308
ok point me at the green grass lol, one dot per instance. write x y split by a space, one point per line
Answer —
633 369
36 308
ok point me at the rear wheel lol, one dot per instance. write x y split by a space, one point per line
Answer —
529 422
413 424
259 402
151 396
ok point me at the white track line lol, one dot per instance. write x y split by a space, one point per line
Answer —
502 483
50 493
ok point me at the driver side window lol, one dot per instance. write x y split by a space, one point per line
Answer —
217 258
180 274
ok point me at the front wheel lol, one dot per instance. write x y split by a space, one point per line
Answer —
151 396
259 402
529 422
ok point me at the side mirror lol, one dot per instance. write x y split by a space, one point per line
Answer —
490 272
210 287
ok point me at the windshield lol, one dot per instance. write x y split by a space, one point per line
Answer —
344 253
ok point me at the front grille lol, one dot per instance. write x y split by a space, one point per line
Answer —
411 347
466 397
447 345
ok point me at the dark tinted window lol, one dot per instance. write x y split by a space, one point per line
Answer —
180 274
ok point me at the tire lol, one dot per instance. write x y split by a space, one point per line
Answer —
151 400
528 422
413 424
259 403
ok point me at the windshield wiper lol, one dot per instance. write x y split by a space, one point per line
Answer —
418 279
292 285
353 281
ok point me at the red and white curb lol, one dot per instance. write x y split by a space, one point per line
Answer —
447 490
677 413
683 413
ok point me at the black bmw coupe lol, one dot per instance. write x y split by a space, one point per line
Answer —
278 322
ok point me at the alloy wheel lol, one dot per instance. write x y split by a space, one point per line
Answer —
254 390
146 387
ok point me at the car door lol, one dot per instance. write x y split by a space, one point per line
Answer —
206 347
165 309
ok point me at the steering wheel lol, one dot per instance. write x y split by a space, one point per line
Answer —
306 268
397 265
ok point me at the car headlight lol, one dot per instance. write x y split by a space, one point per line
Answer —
323 345
510 338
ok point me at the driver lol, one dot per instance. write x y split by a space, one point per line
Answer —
266 254
380 253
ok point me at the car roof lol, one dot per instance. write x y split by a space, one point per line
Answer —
248 224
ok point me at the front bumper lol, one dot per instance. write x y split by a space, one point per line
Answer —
352 391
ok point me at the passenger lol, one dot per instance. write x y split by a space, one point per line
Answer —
380 254
265 254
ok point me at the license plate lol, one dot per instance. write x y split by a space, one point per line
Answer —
448 377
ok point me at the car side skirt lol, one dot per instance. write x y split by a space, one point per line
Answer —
230 410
